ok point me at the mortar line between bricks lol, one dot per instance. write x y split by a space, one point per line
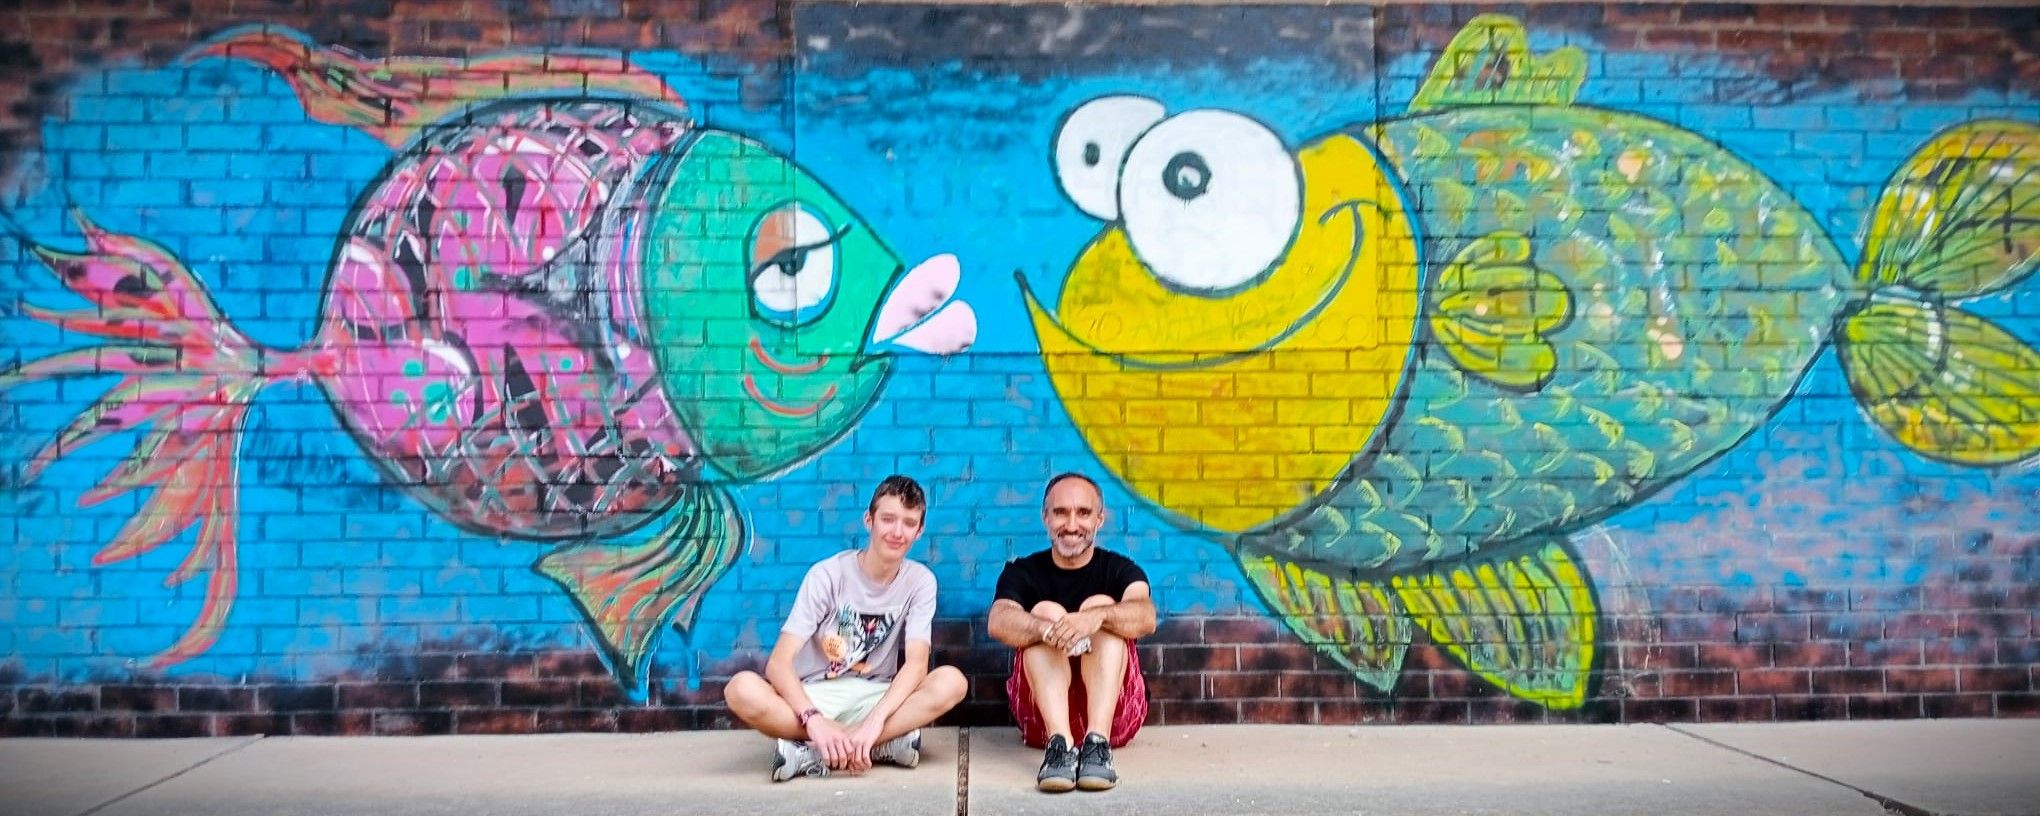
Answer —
193 767
963 771
1887 802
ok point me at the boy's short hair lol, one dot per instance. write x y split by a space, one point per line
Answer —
1066 476
901 487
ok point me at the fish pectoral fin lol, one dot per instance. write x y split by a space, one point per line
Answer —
626 592
1490 63
1492 308
1358 624
1523 620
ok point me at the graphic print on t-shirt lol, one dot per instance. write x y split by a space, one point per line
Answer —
857 635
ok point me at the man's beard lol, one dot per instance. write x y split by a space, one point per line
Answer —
1083 545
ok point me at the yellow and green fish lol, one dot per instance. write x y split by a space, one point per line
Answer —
1396 368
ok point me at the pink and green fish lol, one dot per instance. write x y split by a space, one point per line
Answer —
567 315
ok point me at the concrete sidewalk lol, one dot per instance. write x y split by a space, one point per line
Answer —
1968 767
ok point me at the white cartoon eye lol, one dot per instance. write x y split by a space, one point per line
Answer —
1211 200
793 265
1090 145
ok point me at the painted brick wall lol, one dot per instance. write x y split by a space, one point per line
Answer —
1520 369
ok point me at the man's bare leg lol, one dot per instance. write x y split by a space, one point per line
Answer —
1048 678
1104 672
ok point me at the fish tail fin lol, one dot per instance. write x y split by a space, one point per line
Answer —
392 99
1960 219
188 377
626 592
1357 623
1523 620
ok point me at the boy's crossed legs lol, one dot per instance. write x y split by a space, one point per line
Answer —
846 700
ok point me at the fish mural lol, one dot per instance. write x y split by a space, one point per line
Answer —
1397 369
565 314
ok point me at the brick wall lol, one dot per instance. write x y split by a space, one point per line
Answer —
1780 540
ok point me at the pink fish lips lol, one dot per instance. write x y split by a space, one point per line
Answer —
488 339
923 313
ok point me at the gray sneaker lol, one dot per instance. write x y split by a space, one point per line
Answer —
1094 764
1058 767
796 759
903 750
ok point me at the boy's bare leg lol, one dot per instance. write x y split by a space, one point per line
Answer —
758 704
940 691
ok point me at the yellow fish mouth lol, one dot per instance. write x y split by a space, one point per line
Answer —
1178 360
1235 410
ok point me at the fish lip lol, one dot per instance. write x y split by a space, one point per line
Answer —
758 351
783 409
1129 360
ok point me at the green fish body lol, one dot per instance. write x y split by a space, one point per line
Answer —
1688 293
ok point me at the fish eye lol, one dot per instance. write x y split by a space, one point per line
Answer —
792 264
1091 144
1211 200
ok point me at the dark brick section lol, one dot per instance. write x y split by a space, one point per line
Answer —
1924 52
1200 670
1043 40
46 45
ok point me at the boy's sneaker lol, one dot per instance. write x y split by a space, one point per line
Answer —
1058 767
903 750
796 759
1094 764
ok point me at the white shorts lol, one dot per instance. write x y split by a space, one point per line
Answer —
845 699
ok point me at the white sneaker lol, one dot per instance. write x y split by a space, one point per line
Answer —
903 750
796 759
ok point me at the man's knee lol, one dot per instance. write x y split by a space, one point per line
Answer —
1103 641
1045 653
1096 601
1050 610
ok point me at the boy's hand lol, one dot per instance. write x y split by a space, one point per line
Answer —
862 738
832 741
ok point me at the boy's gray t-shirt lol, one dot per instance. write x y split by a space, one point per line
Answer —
854 627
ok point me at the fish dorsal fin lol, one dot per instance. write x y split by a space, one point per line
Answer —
1358 624
1492 308
1490 63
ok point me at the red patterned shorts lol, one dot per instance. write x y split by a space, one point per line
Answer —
1126 717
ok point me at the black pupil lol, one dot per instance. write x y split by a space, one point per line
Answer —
1091 154
1187 176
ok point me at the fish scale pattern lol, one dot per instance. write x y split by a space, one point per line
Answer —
1695 294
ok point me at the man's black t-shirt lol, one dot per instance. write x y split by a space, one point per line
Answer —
1031 579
